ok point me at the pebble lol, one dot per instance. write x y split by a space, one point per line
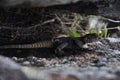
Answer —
26 63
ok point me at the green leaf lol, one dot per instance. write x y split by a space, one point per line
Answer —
73 32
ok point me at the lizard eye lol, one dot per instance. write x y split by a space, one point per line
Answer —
56 41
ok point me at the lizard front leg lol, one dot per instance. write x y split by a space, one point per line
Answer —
59 49
60 44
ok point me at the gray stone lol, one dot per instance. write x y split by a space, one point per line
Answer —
40 3
107 8
9 70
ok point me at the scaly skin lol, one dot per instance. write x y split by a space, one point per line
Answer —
60 43
42 44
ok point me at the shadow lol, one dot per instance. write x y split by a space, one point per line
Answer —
42 52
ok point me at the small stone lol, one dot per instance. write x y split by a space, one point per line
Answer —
14 58
65 61
26 63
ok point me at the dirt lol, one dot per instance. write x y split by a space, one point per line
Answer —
26 25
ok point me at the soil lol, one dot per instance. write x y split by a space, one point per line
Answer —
26 25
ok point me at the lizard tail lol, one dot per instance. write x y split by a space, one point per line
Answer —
42 44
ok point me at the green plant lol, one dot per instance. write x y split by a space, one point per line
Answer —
118 28
104 33
101 32
73 32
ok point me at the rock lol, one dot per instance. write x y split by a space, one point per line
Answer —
40 3
70 73
9 70
110 48
108 8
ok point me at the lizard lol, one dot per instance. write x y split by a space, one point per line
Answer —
58 43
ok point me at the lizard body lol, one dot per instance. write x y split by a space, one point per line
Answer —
63 42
